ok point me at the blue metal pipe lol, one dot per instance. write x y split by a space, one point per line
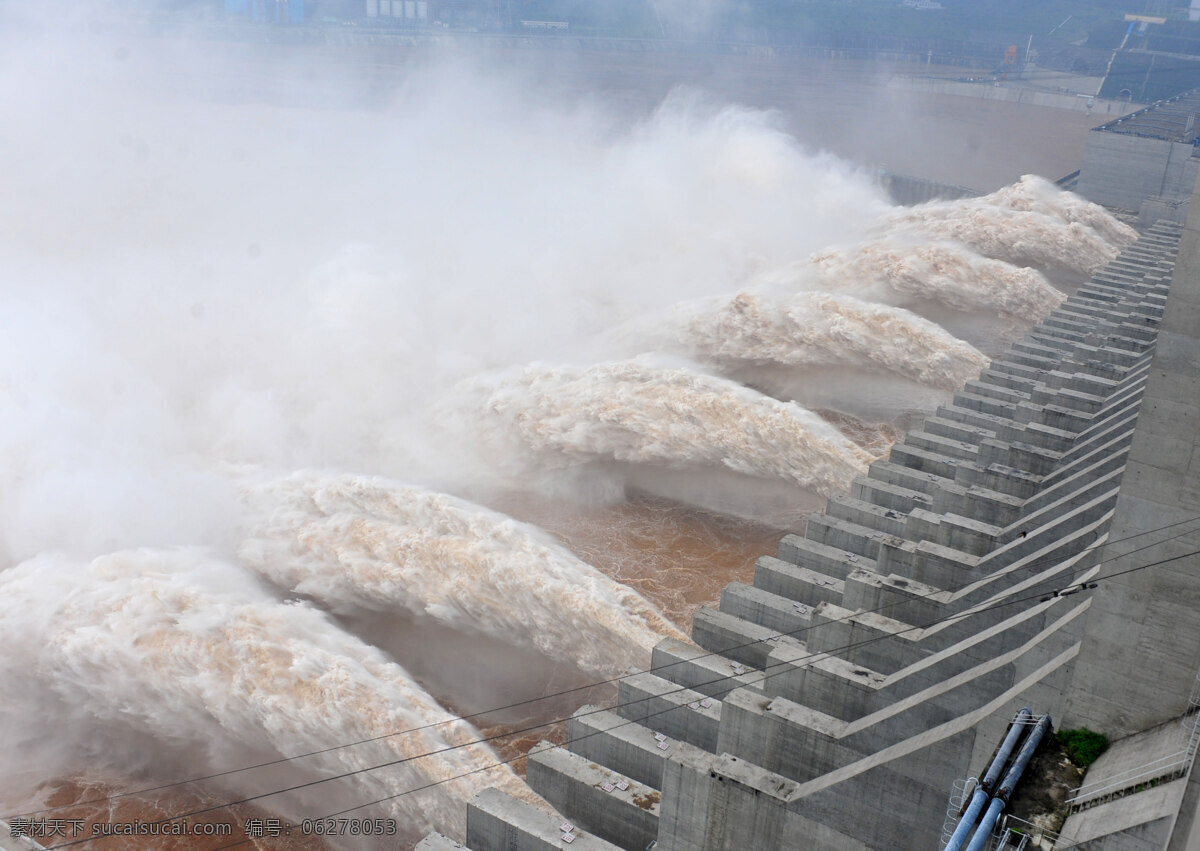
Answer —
1015 730
985 825
967 822
983 791
1001 797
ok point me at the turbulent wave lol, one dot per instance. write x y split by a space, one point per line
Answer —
352 543
1038 195
190 652
818 329
635 412
940 271
1027 237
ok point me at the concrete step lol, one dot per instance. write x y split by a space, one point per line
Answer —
906 477
1000 478
1055 338
743 643
698 669
826 560
985 404
593 798
1065 419
796 583
681 713
954 430
781 614
929 563
1008 380
991 390
922 460
1020 455
1041 362
496 821
947 447
972 418
1067 397
623 746
861 541
866 514
1041 436
977 501
1025 347
1019 371
887 495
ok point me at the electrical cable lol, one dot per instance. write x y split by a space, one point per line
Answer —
587 686
1093 583
824 653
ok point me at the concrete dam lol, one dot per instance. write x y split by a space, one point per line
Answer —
1032 544
321 511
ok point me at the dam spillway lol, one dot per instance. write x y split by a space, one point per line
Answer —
879 655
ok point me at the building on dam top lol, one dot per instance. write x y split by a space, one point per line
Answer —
1145 162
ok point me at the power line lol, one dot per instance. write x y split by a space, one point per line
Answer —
1091 584
725 678
588 686
454 719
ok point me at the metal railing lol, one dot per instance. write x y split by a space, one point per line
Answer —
960 793
1164 769
1019 834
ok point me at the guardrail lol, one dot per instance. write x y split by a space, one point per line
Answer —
1163 769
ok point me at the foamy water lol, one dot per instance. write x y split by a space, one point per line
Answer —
638 413
1052 232
1038 195
354 543
825 329
185 652
944 272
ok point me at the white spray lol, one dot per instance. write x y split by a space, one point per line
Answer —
639 413
186 652
1027 226
944 272
825 329
355 543
1038 195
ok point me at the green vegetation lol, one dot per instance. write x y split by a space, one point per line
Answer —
1082 746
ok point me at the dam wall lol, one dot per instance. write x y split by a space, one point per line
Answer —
1017 91
1151 155
908 191
880 654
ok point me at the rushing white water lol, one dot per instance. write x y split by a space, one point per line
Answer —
944 272
1038 195
639 413
1043 238
354 543
183 651
825 329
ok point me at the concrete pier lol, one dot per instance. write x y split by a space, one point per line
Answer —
881 652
